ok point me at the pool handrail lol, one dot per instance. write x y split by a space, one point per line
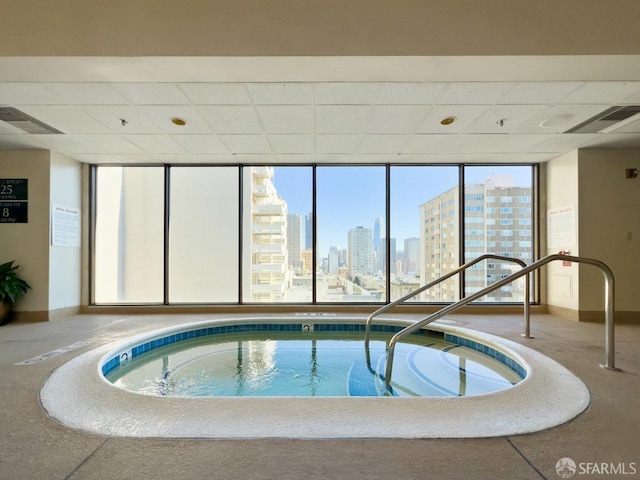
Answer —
608 307
461 268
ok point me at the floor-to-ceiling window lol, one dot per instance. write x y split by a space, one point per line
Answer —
203 235
307 234
129 235
425 217
350 251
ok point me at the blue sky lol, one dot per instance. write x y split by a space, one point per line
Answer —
350 196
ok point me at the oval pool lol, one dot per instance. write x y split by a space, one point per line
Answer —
311 360
78 395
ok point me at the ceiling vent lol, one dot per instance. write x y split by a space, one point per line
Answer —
24 122
608 120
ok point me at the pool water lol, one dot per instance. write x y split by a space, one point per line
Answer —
312 364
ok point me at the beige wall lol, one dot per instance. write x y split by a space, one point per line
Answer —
561 192
65 262
609 226
28 243
318 27
608 223
54 273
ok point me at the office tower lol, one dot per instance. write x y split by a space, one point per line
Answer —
360 251
294 232
411 255
308 231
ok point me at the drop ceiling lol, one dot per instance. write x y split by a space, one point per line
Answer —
321 122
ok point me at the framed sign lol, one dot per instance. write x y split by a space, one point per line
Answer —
14 189
14 212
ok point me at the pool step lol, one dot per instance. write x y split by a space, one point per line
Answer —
362 382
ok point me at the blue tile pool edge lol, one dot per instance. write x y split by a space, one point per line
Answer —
123 357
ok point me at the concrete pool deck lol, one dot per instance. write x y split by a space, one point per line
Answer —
77 395
35 446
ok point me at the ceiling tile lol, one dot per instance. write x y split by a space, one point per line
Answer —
294 159
88 93
201 144
232 120
97 158
67 119
246 143
135 122
473 93
156 143
213 158
531 93
252 158
504 118
396 118
291 143
28 94
286 119
464 115
281 93
562 143
67 144
382 143
403 93
344 93
515 143
341 118
602 93
574 115
469 144
337 143
152 93
109 143
162 115
427 143
167 158
135 158
216 93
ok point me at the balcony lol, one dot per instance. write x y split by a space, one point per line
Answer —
272 229
269 209
273 249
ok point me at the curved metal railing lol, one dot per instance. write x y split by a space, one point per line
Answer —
367 327
608 306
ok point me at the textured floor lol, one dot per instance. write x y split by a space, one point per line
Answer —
32 446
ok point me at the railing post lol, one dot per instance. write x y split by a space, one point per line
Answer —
527 295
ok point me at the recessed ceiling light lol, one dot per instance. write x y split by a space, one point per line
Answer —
447 120
178 121
556 120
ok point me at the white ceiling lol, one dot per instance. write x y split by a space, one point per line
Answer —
341 122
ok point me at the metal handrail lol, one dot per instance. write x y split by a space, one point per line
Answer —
608 306
367 326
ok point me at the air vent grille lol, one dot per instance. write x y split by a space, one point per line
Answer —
606 119
24 122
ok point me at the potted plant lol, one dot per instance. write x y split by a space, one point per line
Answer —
12 288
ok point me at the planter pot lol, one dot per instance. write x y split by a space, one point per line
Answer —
6 313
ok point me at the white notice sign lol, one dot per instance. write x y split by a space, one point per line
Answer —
561 227
65 226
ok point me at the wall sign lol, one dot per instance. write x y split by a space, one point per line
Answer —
14 194
65 226
561 227
13 189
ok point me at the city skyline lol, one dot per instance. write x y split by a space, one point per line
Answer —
363 189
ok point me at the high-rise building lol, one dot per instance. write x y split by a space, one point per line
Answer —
411 255
308 231
383 255
360 251
334 260
497 219
269 264
377 228
294 232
